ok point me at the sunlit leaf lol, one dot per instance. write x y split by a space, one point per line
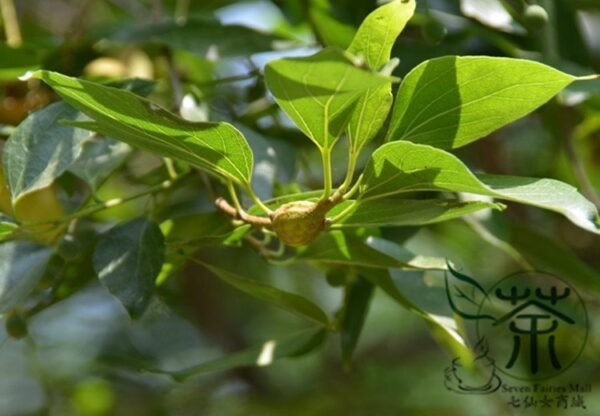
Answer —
319 92
451 101
218 148
405 167
373 42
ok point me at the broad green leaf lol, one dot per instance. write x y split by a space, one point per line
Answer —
21 267
218 148
128 259
378 32
451 101
403 166
338 248
259 356
374 41
98 159
198 34
356 307
285 300
402 212
41 149
319 92
396 251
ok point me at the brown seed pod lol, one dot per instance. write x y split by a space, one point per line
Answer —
298 223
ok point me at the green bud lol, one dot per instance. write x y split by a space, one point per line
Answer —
535 17
16 326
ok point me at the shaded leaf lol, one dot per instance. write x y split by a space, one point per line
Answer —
218 148
403 166
128 259
440 321
285 300
451 101
356 307
318 92
98 159
261 355
41 149
402 212
22 265
374 41
198 34
338 248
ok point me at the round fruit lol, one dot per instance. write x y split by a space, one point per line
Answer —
535 17
16 326
298 223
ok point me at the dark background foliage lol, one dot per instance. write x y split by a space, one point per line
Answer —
85 355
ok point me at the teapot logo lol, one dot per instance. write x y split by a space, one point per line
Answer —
460 379
530 326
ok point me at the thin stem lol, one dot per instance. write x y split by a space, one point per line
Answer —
234 197
11 23
344 212
105 205
182 8
257 200
352 158
589 77
170 166
327 180
354 188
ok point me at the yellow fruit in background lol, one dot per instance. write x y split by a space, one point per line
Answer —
38 206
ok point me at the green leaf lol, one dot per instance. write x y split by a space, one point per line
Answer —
41 149
259 356
374 41
403 166
98 159
415 296
451 101
217 148
22 266
128 259
356 307
338 248
378 32
402 212
198 35
319 92
285 300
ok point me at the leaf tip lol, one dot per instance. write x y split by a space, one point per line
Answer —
28 75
